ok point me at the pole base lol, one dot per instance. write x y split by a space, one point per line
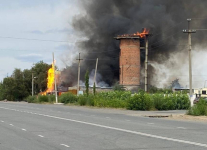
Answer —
59 103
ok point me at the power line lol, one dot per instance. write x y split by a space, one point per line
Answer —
198 18
169 27
102 51
103 59
42 40
201 29
166 38
29 50
172 81
155 47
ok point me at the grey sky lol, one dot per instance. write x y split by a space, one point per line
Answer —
34 19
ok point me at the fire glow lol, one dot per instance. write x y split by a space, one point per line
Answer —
50 80
138 34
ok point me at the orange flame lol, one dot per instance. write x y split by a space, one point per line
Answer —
144 33
50 80
141 35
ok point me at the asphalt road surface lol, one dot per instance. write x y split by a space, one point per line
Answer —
55 127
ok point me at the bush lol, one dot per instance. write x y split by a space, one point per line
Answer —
183 101
82 100
122 95
90 100
86 100
115 99
51 98
43 98
31 99
154 90
159 101
68 98
171 101
114 103
140 101
122 99
200 109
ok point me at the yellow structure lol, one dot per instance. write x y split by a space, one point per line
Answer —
202 92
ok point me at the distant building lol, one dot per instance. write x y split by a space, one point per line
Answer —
202 92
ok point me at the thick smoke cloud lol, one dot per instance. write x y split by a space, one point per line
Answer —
104 19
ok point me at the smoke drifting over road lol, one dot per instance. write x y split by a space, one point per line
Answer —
104 19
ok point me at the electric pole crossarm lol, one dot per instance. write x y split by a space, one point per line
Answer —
189 31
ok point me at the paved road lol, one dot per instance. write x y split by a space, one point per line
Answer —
53 127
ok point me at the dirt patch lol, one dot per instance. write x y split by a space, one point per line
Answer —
158 116
188 118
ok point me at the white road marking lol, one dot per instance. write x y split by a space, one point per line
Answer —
150 123
11 124
2 121
124 130
181 127
65 145
41 136
24 130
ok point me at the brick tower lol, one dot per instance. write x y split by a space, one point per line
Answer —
129 62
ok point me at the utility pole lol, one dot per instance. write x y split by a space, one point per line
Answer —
32 84
56 97
94 81
189 31
122 75
79 60
146 62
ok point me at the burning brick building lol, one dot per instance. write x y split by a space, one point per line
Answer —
129 61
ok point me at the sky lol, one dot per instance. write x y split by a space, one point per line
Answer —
48 22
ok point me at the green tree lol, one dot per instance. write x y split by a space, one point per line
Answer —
19 85
9 87
87 82
19 91
1 91
94 88
40 70
27 80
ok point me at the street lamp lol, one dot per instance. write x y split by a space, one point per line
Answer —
33 84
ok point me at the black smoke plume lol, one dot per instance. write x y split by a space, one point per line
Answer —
104 19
